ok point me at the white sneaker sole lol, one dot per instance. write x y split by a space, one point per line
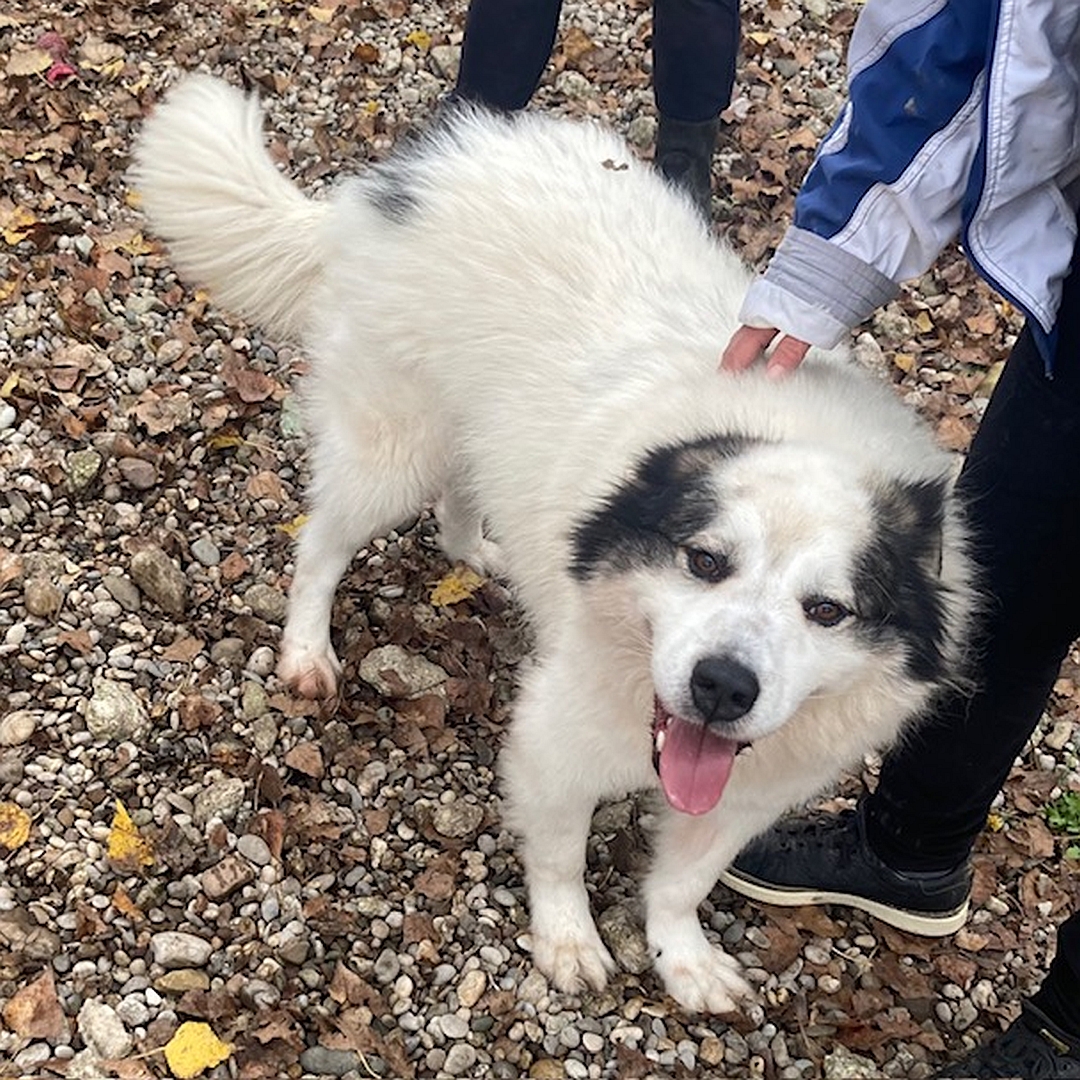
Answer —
937 925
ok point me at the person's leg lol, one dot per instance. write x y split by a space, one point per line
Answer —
1023 493
695 43
1059 995
506 46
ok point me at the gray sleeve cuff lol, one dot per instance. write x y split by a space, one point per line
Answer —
815 291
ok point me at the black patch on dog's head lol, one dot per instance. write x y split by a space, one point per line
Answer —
667 500
898 586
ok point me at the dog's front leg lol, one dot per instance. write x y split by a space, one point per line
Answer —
565 942
552 780
691 852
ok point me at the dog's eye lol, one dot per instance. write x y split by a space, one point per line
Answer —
707 566
825 612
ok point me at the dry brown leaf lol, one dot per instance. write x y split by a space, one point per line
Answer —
28 60
34 1012
307 758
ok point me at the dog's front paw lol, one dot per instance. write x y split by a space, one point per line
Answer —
309 672
704 979
573 962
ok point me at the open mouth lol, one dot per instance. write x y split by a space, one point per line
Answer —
694 763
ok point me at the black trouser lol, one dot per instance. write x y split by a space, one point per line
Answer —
508 42
1021 482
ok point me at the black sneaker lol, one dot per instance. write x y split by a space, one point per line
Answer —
825 859
1033 1047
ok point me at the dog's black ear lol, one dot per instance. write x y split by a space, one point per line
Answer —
915 512
667 498
898 574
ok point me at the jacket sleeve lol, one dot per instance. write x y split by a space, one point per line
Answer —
886 190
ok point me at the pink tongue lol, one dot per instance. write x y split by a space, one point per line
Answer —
695 765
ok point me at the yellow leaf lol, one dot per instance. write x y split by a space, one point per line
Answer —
995 822
225 441
14 826
984 389
904 361
17 224
125 843
759 37
9 385
292 528
420 38
923 323
193 1049
458 585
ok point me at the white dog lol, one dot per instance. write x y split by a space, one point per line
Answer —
516 318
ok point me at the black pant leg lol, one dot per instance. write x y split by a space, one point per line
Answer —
1022 484
695 43
507 44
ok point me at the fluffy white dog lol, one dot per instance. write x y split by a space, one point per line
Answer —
515 318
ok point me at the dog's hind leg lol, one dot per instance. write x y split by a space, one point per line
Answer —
355 497
461 534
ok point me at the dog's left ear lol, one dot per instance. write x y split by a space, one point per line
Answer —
912 512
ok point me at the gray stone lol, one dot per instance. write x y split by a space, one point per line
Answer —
17 727
222 799
82 467
122 591
261 661
322 1061
253 701
160 579
114 712
457 819
453 1026
254 849
137 473
42 598
267 603
625 938
460 1059
176 949
843 1064
396 673
387 966
206 551
228 652
103 1031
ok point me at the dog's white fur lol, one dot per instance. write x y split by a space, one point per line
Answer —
507 321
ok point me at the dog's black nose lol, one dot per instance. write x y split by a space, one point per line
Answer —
723 689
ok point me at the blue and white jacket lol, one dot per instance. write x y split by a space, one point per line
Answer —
963 119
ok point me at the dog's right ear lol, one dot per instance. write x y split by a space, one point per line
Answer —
898 575
668 498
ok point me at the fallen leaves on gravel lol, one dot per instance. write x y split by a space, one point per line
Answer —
14 826
126 846
194 1049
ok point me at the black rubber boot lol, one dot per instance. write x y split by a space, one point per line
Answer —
684 153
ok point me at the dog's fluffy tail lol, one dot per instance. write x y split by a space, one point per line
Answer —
232 222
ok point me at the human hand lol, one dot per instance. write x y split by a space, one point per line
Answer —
748 343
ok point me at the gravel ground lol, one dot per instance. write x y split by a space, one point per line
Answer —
335 895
